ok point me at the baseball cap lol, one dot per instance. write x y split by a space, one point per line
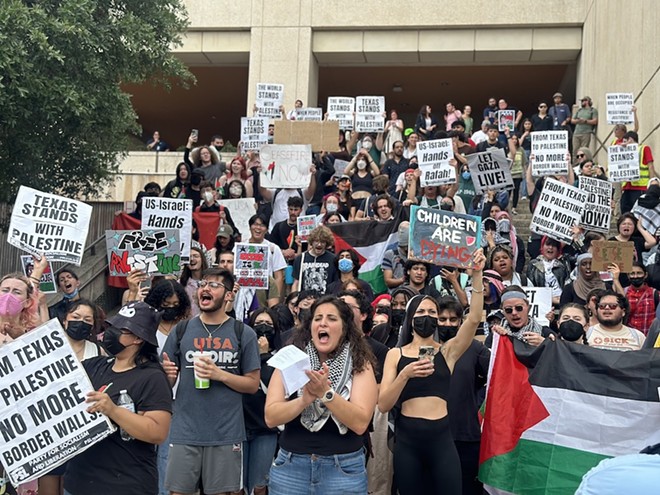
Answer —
225 230
558 94
140 319
345 177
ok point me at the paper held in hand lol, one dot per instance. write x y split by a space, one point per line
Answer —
292 363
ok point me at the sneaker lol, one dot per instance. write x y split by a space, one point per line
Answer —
514 211
523 198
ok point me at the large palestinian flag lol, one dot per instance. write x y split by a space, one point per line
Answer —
555 411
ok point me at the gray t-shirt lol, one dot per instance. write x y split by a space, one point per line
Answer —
214 171
213 416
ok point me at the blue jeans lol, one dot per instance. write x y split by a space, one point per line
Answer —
258 453
161 461
317 474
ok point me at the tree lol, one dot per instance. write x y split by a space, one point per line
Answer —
64 119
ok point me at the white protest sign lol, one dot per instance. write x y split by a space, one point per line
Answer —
540 303
292 363
309 114
49 224
306 223
490 171
342 109
433 159
269 99
623 162
369 113
559 208
340 166
251 265
619 108
169 213
506 119
254 133
549 151
285 166
597 213
241 210
43 414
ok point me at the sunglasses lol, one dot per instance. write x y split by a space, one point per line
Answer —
580 155
519 309
608 305
543 106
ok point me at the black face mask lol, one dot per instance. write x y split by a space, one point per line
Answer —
196 179
446 332
78 330
171 314
424 326
571 330
111 341
637 281
266 330
397 317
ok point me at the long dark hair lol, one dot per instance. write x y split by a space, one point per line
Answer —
96 312
186 273
360 350
406 336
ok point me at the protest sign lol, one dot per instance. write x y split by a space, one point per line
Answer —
322 136
156 252
241 210
342 109
540 303
340 166
168 213
549 151
43 414
269 99
619 108
254 133
443 237
597 213
49 224
490 170
623 162
559 208
309 114
433 159
251 265
306 223
47 283
506 119
285 166
369 113
607 252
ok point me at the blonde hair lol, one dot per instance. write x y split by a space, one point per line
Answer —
29 317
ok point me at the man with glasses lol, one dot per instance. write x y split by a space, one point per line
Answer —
542 120
517 321
610 332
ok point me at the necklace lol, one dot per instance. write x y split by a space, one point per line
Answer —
207 328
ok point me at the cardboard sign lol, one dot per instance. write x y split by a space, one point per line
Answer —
251 265
254 133
43 414
623 162
506 119
443 237
157 252
49 224
306 223
322 136
309 114
619 108
540 303
47 283
433 159
269 99
168 213
607 252
559 208
490 170
549 151
285 166
369 114
342 109
597 213
241 210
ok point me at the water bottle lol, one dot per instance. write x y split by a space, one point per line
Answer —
126 402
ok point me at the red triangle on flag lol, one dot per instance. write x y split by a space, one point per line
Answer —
340 244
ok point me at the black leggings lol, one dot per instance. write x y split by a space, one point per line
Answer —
516 191
425 457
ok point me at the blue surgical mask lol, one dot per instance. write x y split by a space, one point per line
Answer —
345 265
466 175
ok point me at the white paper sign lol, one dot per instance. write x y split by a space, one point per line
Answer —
559 208
623 162
340 166
43 412
619 108
306 223
540 303
269 99
506 119
309 114
342 108
433 159
50 224
597 213
369 111
169 213
241 210
285 166
292 363
490 170
549 152
254 133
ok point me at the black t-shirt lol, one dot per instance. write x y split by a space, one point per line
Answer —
284 234
114 466
255 404
317 272
380 351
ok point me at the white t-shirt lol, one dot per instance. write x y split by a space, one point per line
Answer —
550 279
479 137
625 339
280 208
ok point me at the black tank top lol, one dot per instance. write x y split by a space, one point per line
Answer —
435 385
362 183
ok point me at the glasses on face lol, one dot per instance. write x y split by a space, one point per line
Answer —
206 283
608 305
543 106
519 309
580 155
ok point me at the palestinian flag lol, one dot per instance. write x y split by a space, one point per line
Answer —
555 411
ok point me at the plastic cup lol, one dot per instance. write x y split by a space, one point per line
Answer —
201 383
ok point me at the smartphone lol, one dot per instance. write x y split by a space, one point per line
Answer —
146 283
194 132
426 352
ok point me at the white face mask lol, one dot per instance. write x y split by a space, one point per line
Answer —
361 164
331 207
208 196
367 145
235 191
